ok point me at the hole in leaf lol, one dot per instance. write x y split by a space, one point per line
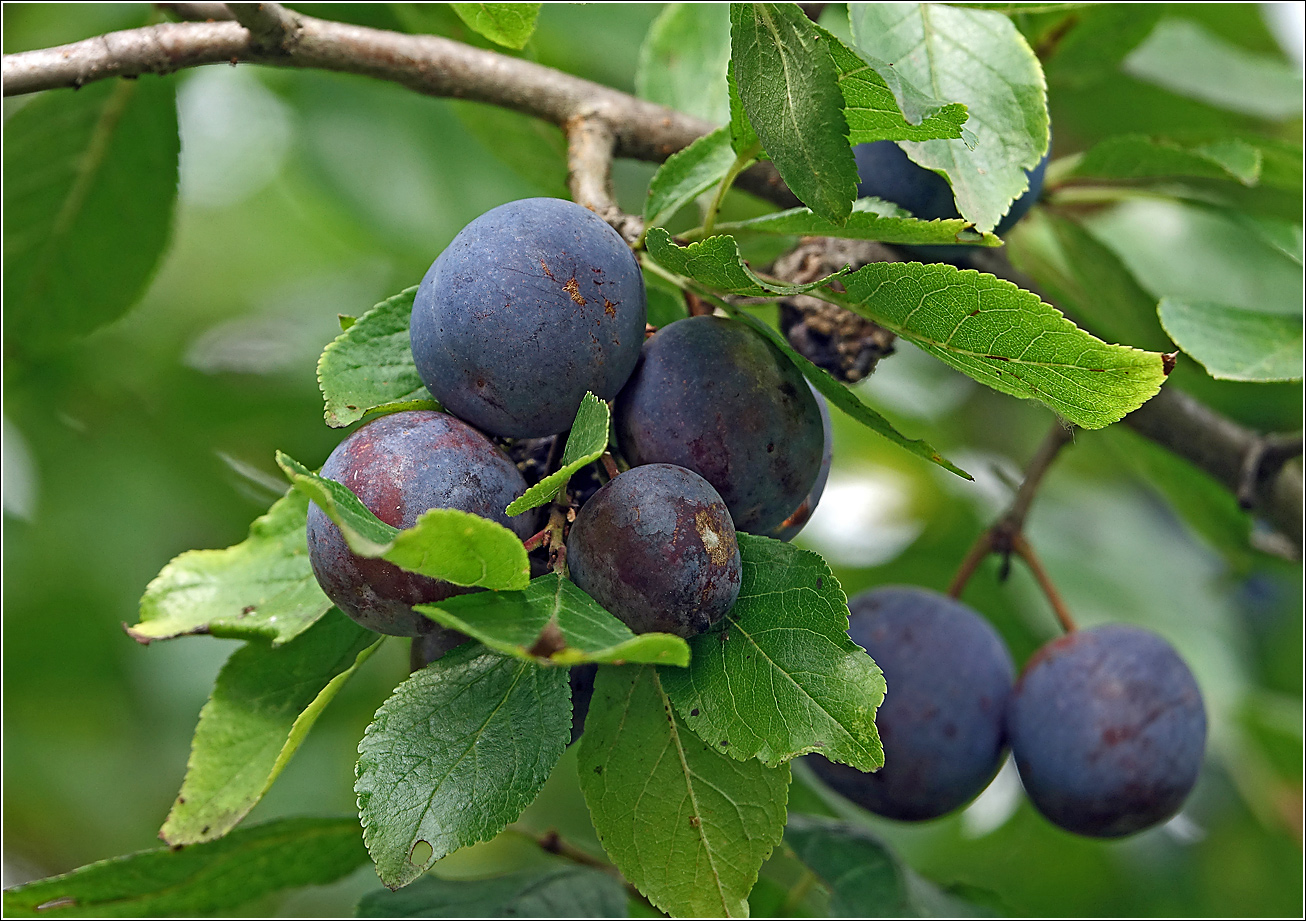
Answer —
421 854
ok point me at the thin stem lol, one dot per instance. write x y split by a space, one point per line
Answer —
741 163
1023 550
982 547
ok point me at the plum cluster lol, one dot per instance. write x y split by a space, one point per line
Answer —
533 304
1106 725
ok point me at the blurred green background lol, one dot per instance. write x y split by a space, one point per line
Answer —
304 195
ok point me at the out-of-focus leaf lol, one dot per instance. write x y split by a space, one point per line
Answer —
514 624
978 58
446 543
1235 343
585 444
507 24
666 302
263 704
261 588
848 402
1096 39
369 366
199 880
544 892
688 826
1137 157
789 88
684 59
688 174
1005 337
90 178
865 878
1197 253
455 754
716 263
871 219
533 149
1185 58
782 678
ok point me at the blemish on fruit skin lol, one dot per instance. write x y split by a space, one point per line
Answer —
573 290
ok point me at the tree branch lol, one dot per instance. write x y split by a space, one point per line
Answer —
272 27
590 145
639 129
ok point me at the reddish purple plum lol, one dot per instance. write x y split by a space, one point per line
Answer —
656 547
399 466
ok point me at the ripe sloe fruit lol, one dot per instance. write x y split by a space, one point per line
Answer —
581 679
788 529
888 173
949 677
1108 728
532 304
714 396
655 546
399 466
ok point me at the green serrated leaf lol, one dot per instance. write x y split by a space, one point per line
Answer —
871 90
686 825
370 366
871 219
586 444
1136 156
716 263
200 880
261 588
455 754
848 402
1186 59
1236 343
79 167
446 543
507 24
687 175
514 624
1004 337
789 88
263 704
742 136
978 58
782 678
551 891
684 58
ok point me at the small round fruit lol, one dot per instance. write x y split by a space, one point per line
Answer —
949 677
1108 729
713 396
532 304
788 529
888 173
656 547
399 466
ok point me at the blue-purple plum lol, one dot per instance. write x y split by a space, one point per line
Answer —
714 396
888 173
532 304
399 466
949 677
656 547
1108 729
